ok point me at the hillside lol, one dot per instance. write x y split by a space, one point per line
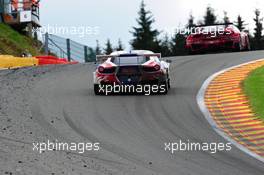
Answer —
14 43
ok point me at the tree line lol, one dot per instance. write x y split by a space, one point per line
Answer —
146 37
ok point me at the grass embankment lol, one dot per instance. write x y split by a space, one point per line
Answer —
14 43
254 88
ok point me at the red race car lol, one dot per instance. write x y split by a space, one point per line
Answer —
216 37
137 71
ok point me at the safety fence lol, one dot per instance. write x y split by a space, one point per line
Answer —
66 48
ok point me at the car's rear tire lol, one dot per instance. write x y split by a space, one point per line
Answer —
248 48
191 52
165 89
238 47
168 78
96 89
169 84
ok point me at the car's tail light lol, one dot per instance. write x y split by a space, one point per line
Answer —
104 70
157 67
101 69
151 68
235 36
189 37
226 33
197 36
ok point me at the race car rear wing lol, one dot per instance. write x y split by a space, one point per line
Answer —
219 24
152 55
103 58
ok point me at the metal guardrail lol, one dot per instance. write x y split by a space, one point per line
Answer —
66 48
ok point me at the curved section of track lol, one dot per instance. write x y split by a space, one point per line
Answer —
231 111
132 130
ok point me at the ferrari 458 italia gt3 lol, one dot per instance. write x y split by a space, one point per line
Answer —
215 37
136 69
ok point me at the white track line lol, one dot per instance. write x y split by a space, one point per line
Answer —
201 103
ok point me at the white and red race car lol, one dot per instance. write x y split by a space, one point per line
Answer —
134 68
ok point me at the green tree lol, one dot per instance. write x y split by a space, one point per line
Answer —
258 29
178 44
145 37
120 46
108 47
98 50
226 18
240 23
165 46
190 23
210 17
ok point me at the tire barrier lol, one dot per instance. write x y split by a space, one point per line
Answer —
48 60
11 62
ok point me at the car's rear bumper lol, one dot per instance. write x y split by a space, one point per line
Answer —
146 78
212 45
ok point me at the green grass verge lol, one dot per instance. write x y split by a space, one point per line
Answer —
254 89
14 43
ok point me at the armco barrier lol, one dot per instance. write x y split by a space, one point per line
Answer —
7 61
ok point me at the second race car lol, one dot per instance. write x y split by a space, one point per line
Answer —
215 37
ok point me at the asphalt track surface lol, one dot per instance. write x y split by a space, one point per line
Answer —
132 130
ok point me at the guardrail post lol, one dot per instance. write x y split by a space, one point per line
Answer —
46 44
86 58
69 49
